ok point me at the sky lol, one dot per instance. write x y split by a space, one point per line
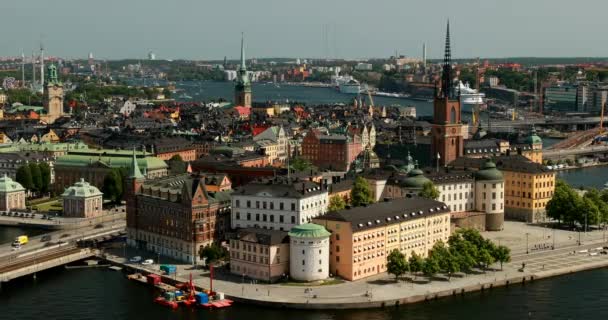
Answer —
211 29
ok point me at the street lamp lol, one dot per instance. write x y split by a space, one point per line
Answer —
527 250
553 247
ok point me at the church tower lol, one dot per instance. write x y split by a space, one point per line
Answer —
447 134
242 89
53 96
132 186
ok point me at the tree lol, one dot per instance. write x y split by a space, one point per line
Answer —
361 193
484 258
176 157
24 177
45 174
448 262
452 265
112 186
596 197
564 204
588 212
300 164
415 263
336 203
430 267
396 264
212 253
36 176
429 191
502 254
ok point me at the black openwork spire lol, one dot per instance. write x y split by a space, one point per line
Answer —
446 80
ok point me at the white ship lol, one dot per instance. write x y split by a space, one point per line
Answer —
346 84
351 87
469 97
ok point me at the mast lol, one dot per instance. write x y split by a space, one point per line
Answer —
41 64
22 69
33 69
243 66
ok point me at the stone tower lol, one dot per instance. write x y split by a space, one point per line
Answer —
242 89
447 134
53 96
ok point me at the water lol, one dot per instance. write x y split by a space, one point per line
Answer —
594 177
104 294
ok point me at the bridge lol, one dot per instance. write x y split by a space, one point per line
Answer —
560 124
37 256
595 151
37 220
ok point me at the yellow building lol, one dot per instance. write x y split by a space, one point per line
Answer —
528 188
363 237
50 137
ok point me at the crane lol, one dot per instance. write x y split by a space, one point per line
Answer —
371 101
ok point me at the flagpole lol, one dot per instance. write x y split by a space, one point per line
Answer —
437 167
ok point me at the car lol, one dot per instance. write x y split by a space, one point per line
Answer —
603 252
65 235
135 259
99 226
583 251
593 254
15 248
45 238
148 262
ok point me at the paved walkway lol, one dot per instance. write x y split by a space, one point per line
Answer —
384 290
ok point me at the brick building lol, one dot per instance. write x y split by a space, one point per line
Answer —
333 152
175 216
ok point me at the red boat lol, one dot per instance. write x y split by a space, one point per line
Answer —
164 302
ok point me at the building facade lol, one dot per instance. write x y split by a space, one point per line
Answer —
82 200
53 96
12 194
260 254
277 204
363 237
332 152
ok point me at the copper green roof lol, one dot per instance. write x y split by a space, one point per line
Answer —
82 189
8 185
489 172
134 172
111 158
309 230
415 179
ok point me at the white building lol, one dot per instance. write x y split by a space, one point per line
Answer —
277 204
309 252
128 107
273 142
82 200
12 194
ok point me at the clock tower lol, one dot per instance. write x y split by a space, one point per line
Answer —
447 142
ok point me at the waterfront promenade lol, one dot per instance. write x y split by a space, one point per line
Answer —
382 290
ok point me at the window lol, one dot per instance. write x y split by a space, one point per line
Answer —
257 217
238 215
271 218
281 218
303 262
293 220
281 207
337 237
248 216
493 195
293 207
493 206
483 206
303 252
320 262
264 205
272 206
237 203
337 258
264 217
337 248
484 195
257 204
248 204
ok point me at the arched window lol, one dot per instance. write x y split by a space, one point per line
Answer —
453 115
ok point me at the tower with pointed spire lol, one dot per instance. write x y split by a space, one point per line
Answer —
242 89
447 142
133 183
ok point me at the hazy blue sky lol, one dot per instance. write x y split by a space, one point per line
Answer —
208 29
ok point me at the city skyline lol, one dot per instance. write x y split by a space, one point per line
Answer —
210 31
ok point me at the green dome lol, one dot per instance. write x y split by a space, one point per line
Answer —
9 185
309 230
415 179
489 172
533 138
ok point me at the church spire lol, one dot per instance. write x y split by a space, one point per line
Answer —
243 66
134 172
447 66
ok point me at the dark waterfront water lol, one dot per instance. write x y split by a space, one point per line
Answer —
588 177
104 294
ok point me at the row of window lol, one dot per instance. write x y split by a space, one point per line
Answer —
265 217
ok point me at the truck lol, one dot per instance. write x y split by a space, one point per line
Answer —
20 240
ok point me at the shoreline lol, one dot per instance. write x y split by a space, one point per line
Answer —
388 293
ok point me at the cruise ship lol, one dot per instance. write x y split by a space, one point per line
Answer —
469 97
346 84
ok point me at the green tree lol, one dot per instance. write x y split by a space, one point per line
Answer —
300 164
213 253
564 204
429 191
45 174
361 193
36 176
24 177
502 254
415 263
396 264
336 203
596 197
588 212
112 186
484 258
430 267
177 165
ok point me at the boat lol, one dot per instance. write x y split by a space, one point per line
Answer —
184 96
469 97
351 87
606 186
167 299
